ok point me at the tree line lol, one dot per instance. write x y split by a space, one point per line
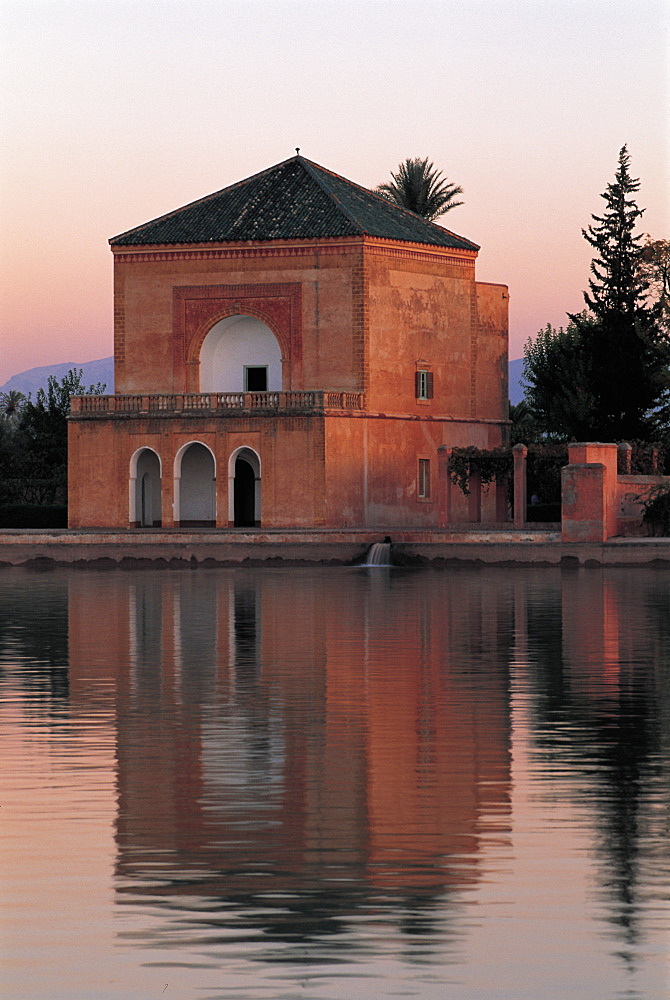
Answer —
33 441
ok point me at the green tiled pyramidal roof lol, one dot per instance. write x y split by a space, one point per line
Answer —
294 200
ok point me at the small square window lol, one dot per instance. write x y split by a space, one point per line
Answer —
424 479
255 378
423 384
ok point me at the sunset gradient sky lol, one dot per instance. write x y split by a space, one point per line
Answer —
116 111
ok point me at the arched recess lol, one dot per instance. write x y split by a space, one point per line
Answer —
244 488
195 486
145 489
240 354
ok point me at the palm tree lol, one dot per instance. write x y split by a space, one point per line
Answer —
421 188
11 404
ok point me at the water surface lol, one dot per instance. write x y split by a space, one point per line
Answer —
335 784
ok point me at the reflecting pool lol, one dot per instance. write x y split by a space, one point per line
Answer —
334 784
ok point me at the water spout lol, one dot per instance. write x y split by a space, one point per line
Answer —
379 554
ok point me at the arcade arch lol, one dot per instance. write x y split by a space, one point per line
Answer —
195 486
145 489
244 488
240 354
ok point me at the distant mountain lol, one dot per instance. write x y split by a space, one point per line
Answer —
30 381
103 371
515 388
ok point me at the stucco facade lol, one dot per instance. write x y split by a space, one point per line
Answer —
293 380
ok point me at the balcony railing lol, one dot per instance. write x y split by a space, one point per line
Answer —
222 403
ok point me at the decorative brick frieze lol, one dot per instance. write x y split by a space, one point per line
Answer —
304 248
418 253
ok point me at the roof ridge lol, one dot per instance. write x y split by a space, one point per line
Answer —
315 175
380 197
204 200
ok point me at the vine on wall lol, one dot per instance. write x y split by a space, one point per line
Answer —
490 465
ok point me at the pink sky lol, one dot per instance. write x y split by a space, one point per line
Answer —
114 113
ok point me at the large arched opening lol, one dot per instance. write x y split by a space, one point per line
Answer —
244 488
145 489
240 354
195 486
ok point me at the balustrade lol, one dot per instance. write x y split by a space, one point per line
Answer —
217 402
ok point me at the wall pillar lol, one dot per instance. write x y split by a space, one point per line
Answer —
605 455
625 454
519 453
583 500
443 486
221 486
171 502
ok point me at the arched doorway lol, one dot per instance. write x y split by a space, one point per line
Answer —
240 354
195 488
244 488
145 489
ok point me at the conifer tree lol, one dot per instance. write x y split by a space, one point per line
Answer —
619 352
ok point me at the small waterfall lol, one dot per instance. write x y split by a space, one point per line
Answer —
379 554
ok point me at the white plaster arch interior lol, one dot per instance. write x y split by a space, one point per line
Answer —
254 459
145 487
194 483
233 345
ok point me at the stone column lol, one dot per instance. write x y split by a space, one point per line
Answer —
519 452
625 453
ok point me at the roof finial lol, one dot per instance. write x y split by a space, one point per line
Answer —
297 149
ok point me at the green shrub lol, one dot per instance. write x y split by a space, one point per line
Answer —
656 508
15 515
544 512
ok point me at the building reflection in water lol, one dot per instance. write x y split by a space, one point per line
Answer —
298 747
305 736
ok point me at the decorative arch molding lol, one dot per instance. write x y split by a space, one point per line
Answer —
250 455
179 454
239 309
197 308
134 458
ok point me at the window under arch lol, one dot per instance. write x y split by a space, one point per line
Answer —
240 354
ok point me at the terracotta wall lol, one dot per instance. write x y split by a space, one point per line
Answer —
348 314
427 311
291 452
336 471
372 469
597 504
491 364
152 307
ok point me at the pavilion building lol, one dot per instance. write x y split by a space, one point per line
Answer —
291 351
